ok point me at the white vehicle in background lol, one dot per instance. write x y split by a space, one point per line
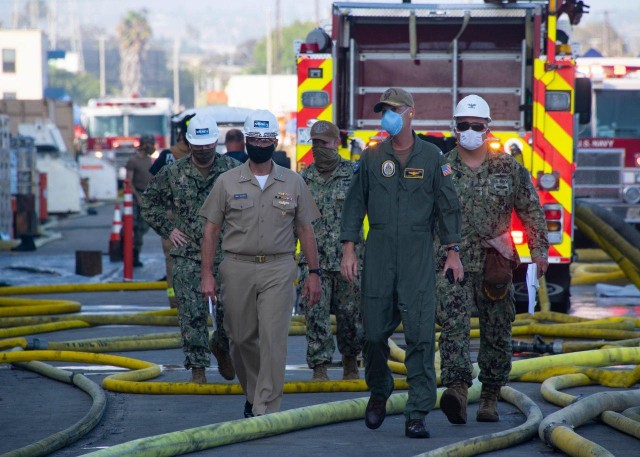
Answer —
608 153
227 118
64 193
114 126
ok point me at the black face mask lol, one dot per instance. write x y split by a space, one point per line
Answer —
259 154
203 156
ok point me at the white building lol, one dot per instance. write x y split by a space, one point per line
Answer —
23 65
276 93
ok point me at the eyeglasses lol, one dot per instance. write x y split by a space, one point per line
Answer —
475 126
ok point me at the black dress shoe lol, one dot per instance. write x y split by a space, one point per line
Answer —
376 412
248 409
414 428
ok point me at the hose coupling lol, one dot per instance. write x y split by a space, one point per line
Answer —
537 346
35 344
548 430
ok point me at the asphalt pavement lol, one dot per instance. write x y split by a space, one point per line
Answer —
33 407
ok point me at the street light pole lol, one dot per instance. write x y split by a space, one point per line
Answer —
176 74
103 85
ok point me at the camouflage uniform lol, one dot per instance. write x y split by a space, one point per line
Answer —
487 198
338 295
187 188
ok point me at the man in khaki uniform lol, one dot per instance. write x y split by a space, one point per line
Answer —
259 203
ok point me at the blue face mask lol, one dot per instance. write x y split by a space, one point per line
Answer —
392 122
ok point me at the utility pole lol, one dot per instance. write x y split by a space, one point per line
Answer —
76 35
277 40
176 73
101 58
269 58
15 16
34 14
52 23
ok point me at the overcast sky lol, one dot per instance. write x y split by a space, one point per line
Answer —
230 22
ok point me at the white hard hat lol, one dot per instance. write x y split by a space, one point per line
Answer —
202 130
473 106
261 124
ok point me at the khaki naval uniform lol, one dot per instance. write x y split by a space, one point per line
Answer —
258 272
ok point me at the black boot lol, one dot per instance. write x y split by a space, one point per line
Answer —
248 409
136 259
415 428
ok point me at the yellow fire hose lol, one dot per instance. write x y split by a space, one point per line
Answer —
221 434
592 255
76 431
499 440
21 306
557 429
539 368
73 288
611 242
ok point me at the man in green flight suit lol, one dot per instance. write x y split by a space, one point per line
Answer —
404 186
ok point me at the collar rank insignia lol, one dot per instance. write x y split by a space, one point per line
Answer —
414 173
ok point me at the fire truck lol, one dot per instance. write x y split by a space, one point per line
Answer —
608 154
505 52
114 126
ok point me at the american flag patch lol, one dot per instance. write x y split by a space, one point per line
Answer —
446 170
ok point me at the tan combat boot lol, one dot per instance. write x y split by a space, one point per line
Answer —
198 376
488 410
453 402
320 373
350 367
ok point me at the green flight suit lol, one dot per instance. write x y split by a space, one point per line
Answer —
398 278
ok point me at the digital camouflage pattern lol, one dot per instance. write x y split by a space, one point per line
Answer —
341 298
193 317
140 226
453 315
329 196
338 297
487 197
181 184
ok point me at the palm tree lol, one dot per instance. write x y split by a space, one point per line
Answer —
133 33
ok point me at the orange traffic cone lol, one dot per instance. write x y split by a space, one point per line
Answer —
115 245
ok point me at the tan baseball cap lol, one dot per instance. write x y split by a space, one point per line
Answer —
394 96
325 131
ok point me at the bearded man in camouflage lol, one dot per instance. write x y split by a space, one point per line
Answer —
490 186
186 183
328 179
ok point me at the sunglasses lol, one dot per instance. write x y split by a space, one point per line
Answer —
475 126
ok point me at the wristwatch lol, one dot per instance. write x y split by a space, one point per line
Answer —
317 271
455 247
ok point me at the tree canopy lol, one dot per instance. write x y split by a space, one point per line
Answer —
284 55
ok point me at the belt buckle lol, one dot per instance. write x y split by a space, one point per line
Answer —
261 258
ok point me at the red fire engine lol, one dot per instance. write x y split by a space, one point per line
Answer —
114 126
505 52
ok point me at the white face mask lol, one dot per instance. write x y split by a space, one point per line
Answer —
471 140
